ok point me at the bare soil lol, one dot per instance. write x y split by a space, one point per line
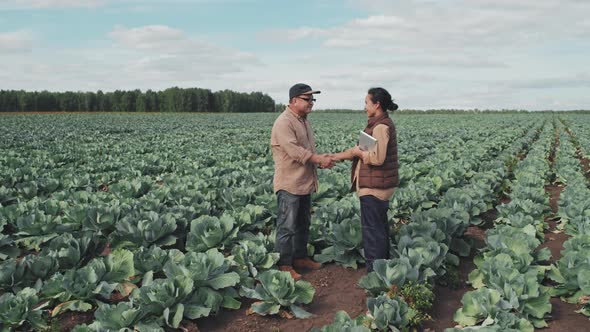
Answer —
554 190
68 320
448 300
563 315
564 318
553 239
586 167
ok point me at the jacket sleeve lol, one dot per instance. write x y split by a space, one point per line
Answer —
285 137
376 156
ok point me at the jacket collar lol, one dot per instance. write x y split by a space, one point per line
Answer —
375 120
297 116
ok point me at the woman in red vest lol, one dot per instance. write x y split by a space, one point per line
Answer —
375 174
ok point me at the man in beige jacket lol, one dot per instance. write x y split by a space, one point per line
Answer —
295 178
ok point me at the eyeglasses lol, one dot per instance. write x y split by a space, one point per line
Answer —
309 100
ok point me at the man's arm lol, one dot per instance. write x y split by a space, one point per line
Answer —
286 138
283 135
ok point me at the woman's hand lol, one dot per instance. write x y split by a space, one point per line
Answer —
348 154
357 152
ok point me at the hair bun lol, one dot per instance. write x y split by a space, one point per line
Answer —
381 96
393 106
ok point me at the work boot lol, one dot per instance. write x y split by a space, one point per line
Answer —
288 268
306 263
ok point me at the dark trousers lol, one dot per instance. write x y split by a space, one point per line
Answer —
375 229
293 220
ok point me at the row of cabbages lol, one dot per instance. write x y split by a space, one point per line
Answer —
164 285
336 233
426 249
173 285
509 295
336 227
572 271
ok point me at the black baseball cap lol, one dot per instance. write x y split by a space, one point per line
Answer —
301 89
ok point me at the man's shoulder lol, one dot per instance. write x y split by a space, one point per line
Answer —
282 119
281 125
284 114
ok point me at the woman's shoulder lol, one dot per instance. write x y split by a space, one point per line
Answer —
381 127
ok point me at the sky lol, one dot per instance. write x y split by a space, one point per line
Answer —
452 54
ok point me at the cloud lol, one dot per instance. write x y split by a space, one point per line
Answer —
146 57
16 41
428 54
463 54
581 80
160 49
452 26
289 35
444 61
153 37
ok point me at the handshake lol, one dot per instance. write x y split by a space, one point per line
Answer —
327 160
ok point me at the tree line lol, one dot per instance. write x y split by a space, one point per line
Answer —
169 100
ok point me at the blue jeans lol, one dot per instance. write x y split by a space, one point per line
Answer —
375 228
293 220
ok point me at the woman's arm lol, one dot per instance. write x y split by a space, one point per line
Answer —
344 155
376 156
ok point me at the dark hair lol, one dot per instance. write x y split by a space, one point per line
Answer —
381 96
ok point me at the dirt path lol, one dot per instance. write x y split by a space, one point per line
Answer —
585 165
336 289
448 300
553 239
564 318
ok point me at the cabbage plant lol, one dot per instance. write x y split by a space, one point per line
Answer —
211 232
210 273
343 323
345 244
20 308
276 290
252 257
390 314
396 272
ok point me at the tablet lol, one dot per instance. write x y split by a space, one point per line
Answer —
366 141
